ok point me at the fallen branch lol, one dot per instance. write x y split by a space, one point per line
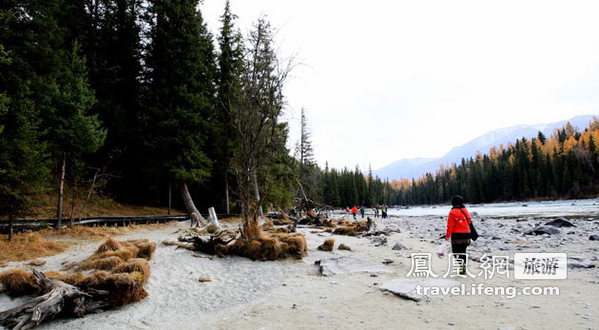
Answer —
76 294
59 297
209 243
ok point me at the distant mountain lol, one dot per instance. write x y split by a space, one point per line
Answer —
415 167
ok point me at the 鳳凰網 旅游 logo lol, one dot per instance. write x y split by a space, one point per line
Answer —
540 266
526 266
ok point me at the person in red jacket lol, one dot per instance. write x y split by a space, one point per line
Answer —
458 229
354 211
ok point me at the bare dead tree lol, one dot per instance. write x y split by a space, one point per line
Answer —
98 175
256 115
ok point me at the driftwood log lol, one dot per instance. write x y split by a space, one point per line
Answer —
209 243
371 224
58 298
196 217
292 228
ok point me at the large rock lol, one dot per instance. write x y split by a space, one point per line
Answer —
378 240
561 222
398 246
407 288
586 263
542 230
349 265
304 221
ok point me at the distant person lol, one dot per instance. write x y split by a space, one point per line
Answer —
384 211
458 229
362 211
347 212
376 211
354 211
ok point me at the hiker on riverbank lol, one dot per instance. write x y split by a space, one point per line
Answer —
362 211
354 211
458 229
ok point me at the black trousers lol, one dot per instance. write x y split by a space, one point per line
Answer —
459 248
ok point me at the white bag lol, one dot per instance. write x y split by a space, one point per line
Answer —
442 250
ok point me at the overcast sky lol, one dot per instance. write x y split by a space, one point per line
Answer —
387 80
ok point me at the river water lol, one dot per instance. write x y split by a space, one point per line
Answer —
581 208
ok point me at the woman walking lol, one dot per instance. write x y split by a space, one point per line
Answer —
458 229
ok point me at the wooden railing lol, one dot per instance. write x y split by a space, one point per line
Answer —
37 224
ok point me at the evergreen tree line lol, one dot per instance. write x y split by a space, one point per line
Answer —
565 165
138 99
333 187
343 188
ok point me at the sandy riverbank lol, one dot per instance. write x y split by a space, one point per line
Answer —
292 294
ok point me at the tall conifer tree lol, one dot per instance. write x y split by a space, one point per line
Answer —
181 93
230 66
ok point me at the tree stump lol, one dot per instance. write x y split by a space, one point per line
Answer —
58 297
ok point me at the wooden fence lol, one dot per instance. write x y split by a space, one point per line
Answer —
37 224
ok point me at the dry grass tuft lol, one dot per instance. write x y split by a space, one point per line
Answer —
49 242
135 265
70 278
107 263
328 245
329 223
269 246
56 275
343 222
124 284
123 288
344 247
296 244
345 230
37 262
98 205
282 220
109 245
344 227
145 248
251 229
81 232
211 229
134 250
28 246
18 282
268 224
124 254
113 253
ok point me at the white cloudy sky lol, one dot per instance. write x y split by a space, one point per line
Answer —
386 80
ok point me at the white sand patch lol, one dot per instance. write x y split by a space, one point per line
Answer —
245 294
